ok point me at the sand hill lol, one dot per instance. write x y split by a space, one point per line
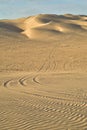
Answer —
43 73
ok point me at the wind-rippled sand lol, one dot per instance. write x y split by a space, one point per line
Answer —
43 77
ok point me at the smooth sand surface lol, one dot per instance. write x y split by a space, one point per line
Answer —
43 73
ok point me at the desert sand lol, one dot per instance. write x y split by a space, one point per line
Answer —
43 73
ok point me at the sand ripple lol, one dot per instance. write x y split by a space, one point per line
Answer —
30 103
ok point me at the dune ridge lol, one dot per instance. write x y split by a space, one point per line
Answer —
47 25
43 73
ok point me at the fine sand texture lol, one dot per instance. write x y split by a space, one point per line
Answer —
43 73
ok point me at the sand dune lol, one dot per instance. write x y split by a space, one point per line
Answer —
43 73
49 25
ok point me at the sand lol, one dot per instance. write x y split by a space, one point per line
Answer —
43 73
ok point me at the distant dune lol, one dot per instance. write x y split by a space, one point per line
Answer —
43 73
69 31
45 26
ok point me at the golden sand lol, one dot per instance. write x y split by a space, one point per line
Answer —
43 73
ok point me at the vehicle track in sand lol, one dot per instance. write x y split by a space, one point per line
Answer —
43 110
